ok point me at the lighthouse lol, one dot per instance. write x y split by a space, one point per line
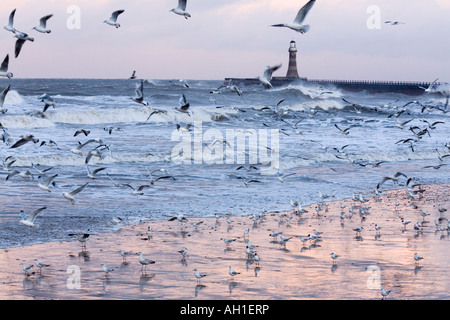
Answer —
292 72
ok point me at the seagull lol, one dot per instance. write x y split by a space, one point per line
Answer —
2 99
91 175
184 105
301 15
26 268
377 228
10 26
256 258
29 220
112 21
24 140
144 261
385 293
139 191
358 230
42 28
181 9
231 272
21 38
4 68
394 23
139 98
44 185
45 98
82 131
394 178
267 75
228 241
281 177
71 195
106 270
417 258
77 150
198 275
247 182
40 265
343 131
125 254
183 252
334 256
83 237
405 223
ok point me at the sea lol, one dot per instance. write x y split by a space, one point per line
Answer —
231 155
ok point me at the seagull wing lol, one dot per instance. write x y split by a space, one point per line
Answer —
97 170
5 63
34 214
3 95
115 14
268 71
47 182
78 190
18 47
11 18
43 20
301 15
182 4
23 215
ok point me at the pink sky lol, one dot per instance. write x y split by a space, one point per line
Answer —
231 38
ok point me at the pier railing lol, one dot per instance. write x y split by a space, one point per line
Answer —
372 83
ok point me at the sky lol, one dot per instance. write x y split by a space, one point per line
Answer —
348 39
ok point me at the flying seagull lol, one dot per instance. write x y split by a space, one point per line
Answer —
2 99
184 105
24 140
4 68
21 38
267 75
301 15
29 220
112 21
71 195
42 28
139 97
10 26
181 9
394 23
45 98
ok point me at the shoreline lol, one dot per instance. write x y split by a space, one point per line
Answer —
292 271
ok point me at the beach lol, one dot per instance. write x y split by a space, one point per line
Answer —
294 270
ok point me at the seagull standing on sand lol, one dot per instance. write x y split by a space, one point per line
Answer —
21 38
267 75
232 273
42 28
29 220
106 270
181 9
4 68
26 268
40 265
10 26
144 261
112 21
334 256
199 275
301 15
417 258
385 293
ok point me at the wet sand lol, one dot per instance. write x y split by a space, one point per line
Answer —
295 270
